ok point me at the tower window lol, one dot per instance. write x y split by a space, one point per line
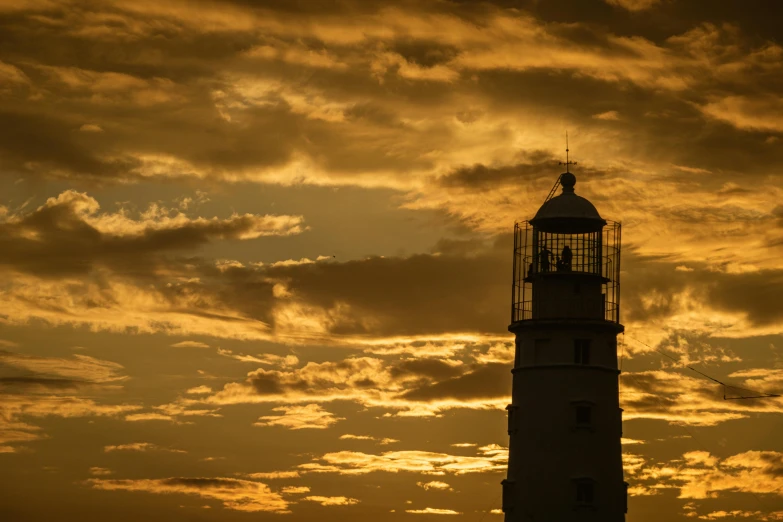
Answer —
584 415
585 492
512 426
582 351
625 497
508 496
582 412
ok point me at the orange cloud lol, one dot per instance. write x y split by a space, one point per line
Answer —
236 494
140 446
433 511
493 458
310 416
332 501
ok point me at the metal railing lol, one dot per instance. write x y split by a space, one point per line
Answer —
605 268
594 253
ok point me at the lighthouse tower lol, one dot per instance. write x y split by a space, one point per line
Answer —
565 421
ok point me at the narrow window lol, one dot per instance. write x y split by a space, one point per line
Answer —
585 492
584 415
518 352
508 496
625 498
582 351
512 426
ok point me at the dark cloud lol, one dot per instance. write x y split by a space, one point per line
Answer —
53 144
488 382
204 483
429 368
753 294
537 167
68 235
418 294
40 382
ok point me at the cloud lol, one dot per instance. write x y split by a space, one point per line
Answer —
607 116
141 417
76 369
100 472
69 235
680 399
492 458
748 113
634 5
190 344
433 511
415 386
738 513
140 446
435 484
381 441
10 74
36 386
199 390
321 302
274 475
235 494
332 501
267 358
294 490
701 475
310 416
352 53
14 407
91 127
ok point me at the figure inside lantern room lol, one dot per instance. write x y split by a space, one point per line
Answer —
543 259
566 256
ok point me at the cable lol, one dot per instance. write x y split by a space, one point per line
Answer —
760 395
692 435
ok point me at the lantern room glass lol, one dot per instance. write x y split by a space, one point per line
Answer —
543 254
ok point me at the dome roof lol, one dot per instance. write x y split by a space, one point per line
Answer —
568 212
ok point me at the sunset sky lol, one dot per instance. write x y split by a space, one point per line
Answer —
255 256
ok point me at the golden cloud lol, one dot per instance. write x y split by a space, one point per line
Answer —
235 494
492 458
433 511
140 446
310 416
332 501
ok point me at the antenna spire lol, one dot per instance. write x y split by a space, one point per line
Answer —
567 162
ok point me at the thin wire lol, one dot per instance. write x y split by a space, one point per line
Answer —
698 441
693 435
761 395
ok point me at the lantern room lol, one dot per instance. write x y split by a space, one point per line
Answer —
566 261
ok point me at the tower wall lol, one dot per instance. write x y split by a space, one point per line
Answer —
552 450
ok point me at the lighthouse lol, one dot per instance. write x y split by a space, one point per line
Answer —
565 420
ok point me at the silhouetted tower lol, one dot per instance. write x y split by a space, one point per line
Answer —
565 421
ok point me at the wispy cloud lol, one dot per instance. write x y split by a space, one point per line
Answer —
491 458
310 416
140 446
235 494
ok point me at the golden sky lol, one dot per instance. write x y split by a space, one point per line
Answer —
255 256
